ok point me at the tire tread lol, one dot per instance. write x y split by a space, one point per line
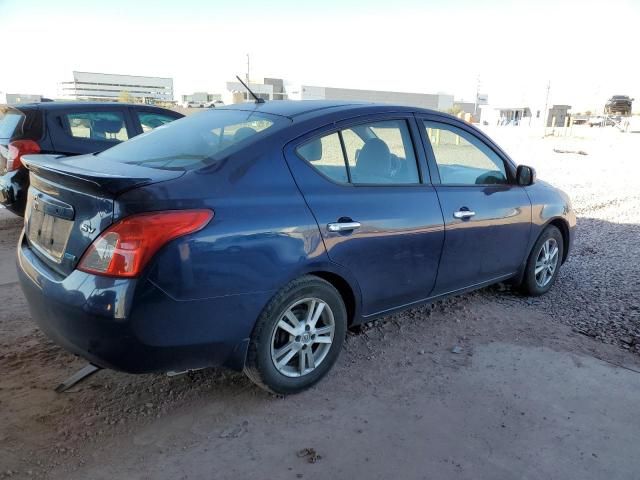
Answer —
252 368
528 285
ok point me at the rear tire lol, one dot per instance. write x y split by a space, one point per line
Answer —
544 263
298 336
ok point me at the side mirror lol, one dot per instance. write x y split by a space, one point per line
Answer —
525 176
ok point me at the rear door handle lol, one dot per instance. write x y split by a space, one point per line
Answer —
463 214
343 226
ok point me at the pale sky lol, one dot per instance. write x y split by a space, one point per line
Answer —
515 47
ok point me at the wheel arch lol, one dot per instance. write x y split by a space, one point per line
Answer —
562 225
345 290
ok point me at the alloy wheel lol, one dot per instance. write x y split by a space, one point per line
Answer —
546 262
302 337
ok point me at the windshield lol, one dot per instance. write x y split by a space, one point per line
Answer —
194 141
9 121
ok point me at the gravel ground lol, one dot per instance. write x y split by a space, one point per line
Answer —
445 391
598 292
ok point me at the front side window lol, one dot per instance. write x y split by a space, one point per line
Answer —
151 120
379 153
108 126
194 141
462 158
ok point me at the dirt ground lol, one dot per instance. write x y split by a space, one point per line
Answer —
486 385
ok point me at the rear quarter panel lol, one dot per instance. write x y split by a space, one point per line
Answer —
261 237
262 234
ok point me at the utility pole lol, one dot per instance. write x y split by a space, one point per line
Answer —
248 84
475 107
546 106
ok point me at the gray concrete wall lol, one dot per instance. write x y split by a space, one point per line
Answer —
466 107
423 100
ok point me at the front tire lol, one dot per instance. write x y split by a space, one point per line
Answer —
297 337
544 263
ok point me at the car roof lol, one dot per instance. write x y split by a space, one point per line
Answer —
289 108
67 104
311 108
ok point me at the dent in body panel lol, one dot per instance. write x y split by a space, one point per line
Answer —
106 297
490 244
260 234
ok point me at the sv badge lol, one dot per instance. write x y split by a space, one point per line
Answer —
87 228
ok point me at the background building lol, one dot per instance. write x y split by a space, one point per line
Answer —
558 115
269 89
278 89
278 92
201 98
14 98
524 115
111 87
437 101
471 108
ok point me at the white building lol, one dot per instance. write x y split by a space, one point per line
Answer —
110 87
534 116
15 98
435 101
277 89
201 98
269 89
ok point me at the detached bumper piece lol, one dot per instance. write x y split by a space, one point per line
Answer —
82 374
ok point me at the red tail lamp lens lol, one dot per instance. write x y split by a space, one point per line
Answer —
17 149
124 249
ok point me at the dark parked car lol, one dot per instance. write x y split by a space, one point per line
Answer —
254 235
65 128
619 104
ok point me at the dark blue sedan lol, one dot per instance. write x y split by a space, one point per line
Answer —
253 236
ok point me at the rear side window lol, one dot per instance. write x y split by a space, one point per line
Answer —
379 153
195 141
325 154
352 145
98 126
9 121
151 120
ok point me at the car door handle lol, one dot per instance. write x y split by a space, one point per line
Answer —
343 226
463 214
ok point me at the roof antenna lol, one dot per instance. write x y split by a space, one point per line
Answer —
258 99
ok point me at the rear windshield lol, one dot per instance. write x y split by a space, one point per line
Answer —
194 141
9 121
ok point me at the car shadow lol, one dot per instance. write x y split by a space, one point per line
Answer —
597 291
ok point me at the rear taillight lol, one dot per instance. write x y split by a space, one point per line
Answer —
126 247
17 149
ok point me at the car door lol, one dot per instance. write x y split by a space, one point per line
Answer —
487 216
80 130
368 188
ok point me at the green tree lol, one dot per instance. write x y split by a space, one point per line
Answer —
125 97
455 110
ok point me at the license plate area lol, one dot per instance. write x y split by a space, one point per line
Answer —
47 232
